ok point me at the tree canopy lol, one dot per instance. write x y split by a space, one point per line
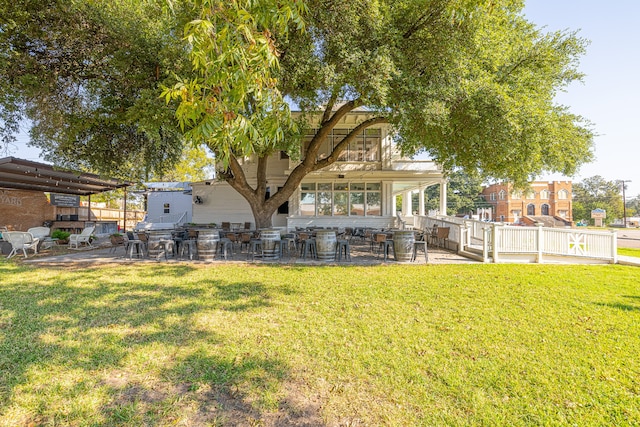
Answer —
87 75
597 193
470 82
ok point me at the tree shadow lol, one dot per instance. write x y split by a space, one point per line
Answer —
625 306
96 324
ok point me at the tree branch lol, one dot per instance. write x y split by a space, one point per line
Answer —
335 154
422 21
325 128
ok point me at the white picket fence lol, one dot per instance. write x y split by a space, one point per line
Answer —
497 242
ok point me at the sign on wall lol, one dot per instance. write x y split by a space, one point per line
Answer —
65 200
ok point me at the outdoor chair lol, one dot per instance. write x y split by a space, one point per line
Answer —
418 244
42 234
433 235
245 240
443 236
85 237
116 242
20 241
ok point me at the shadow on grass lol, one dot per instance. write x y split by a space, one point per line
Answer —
64 337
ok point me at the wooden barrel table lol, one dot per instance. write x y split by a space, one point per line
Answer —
270 244
403 245
160 243
208 241
326 241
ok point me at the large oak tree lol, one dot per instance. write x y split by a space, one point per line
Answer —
470 82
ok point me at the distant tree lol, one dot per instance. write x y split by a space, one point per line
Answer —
194 165
86 74
463 194
596 192
633 206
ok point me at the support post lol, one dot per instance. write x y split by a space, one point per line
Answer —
443 197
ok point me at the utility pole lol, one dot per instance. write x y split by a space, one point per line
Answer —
624 201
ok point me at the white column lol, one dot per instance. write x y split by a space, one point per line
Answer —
406 204
443 197
421 202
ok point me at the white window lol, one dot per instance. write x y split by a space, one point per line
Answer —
492 196
544 194
563 194
340 199
364 148
502 194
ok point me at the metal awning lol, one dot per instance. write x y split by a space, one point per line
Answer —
27 175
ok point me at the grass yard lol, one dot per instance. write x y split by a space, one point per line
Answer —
629 252
249 345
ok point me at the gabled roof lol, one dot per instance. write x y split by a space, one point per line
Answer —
27 175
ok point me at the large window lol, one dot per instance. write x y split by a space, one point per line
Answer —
340 199
364 148
563 194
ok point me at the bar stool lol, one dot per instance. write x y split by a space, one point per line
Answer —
167 247
343 245
289 241
189 246
384 247
255 248
417 245
308 246
226 246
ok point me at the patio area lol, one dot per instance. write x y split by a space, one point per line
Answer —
361 254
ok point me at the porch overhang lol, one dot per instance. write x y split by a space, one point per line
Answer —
34 176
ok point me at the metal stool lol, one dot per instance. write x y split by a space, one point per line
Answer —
308 245
255 248
138 245
167 248
343 245
417 245
384 246
225 245
191 247
288 241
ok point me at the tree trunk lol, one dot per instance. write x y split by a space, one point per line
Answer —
262 217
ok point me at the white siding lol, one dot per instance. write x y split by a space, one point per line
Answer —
178 203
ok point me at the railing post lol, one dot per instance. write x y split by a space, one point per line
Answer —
494 242
614 245
485 243
540 242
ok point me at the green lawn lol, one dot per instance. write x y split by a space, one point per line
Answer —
629 252
398 345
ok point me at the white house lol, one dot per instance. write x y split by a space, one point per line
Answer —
168 204
359 189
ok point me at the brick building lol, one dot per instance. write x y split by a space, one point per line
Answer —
540 203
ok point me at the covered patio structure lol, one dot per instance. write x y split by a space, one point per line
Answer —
29 177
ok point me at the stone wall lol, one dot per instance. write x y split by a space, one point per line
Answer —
21 210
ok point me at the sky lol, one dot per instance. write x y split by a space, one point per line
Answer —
610 93
608 97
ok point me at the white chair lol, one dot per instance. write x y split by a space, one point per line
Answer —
85 237
20 241
42 234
